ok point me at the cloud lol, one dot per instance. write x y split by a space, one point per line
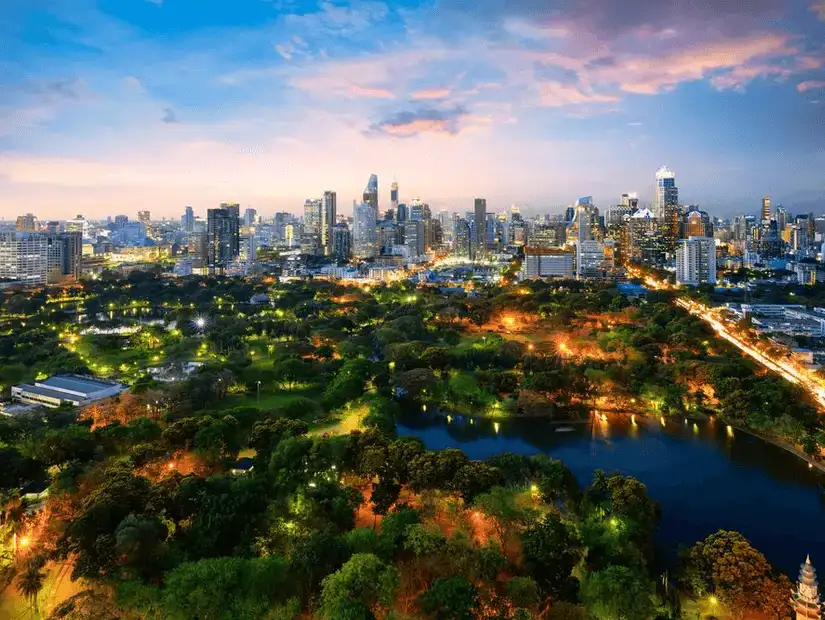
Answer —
804 87
819 9
338 20
557 94
428 120
284 50
169 116
429 94
155 2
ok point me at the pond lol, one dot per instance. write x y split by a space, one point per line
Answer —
705 476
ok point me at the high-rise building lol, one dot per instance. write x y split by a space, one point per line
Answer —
24 257
666 206
766 209
480 220
461 238
65 254
26 223
341 242
696 261
401 214
394 196
364 234
312 216
371 193
121 221
329 215
589 258
250 218
222 239
805 600
145 217
415 237
188 221
696 223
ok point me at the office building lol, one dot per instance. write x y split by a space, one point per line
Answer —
26 223
666 206
65 251
312 216
766 209
120 222
589 259
364 233
696 223
387 236
341 242
371 193
24 257
479 249
547 263
73 390
394 196
222 239
188 220
145 217
415 238
329 215
250 218
461 238
696 261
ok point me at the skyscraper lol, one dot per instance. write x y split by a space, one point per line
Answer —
328 220
696 261
312 216
222 239
666 206
394 196
145 217
364 235
480 220
341 242
371 193
188 221
250 217
766 209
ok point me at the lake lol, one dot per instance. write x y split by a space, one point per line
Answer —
705 476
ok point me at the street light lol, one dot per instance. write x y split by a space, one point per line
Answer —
259 391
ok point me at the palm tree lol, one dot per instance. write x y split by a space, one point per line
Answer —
30 581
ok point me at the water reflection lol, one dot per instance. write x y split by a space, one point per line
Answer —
705 475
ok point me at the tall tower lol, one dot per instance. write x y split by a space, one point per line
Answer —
805 601
480 220
766 209
222 239
666 206
394 196
328 217
371 193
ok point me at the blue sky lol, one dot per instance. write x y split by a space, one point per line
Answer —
111 106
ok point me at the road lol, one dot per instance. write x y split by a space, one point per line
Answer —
785 368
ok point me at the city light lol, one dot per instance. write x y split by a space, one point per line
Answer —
199 322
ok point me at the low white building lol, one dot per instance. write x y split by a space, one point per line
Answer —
75 390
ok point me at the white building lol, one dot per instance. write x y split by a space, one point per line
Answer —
75 390
547 263
364 233
696 261
589 259
24 257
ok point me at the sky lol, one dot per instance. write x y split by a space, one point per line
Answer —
111 106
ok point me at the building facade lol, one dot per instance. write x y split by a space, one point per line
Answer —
696 261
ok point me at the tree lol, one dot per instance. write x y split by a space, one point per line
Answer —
31 580
59 446
385 493
617 593
436 470
450 599
225 588
727 566
291 370
551 550
361 586
474 478
506 511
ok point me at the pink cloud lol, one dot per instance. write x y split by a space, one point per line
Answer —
428 94
557 94
804 87
332 86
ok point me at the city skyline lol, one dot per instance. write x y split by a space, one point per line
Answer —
151 105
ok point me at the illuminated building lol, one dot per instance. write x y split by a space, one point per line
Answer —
26 223
250 217
696 223
371 193
547 263
394 196
222 239
766 208
589 259
328 220
364 239
461 238
479 247
415 237
666 206
144 217
24 257
341 242
696 261
805 600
